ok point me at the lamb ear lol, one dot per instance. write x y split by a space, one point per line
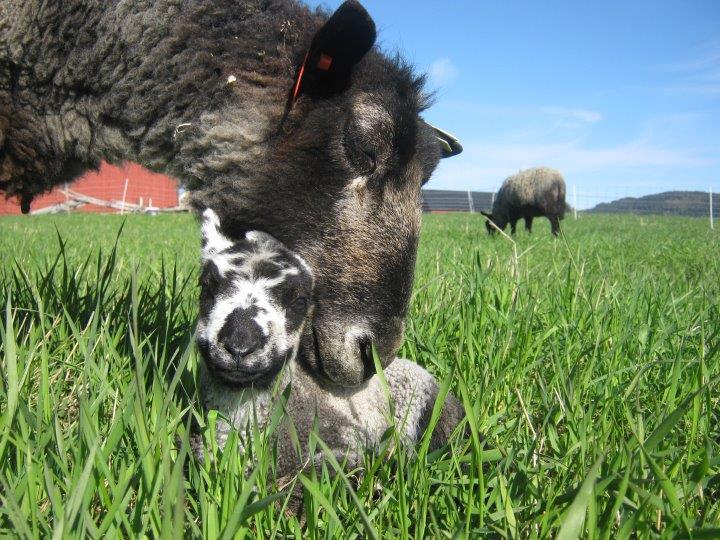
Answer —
213 240
263 239
486 214
339 44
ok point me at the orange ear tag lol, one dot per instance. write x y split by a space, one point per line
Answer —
296 90
324 62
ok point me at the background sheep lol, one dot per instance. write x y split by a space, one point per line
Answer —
529 194
255 306
283 119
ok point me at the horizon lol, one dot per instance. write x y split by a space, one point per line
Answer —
624 100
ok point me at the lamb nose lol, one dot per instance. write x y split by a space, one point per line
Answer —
241 335
243 342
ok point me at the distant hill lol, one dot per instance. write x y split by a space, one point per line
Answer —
678 203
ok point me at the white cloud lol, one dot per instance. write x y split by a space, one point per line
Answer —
530 122
706 59
664 152
582 115
698 75
442 72
693 88
484 164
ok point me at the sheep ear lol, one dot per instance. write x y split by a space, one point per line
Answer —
449 145
213 240
336 48
487 215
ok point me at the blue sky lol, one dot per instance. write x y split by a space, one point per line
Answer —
622 97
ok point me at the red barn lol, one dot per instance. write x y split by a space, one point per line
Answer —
105 191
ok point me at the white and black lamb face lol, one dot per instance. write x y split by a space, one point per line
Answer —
255 296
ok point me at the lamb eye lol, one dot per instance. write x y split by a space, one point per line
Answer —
209 279
300 303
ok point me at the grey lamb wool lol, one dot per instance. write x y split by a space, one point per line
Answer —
254 336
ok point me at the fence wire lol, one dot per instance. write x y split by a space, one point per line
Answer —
677 203
441 200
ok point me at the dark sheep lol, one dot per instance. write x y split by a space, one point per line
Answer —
529 194
282 119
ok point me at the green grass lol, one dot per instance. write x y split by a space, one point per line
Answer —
588 366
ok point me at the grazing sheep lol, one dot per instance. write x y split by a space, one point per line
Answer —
253 333
283 119
529 194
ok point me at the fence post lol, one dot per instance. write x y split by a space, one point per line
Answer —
574 201
492 200
470 202
712 223
122 209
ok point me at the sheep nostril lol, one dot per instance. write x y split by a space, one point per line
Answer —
366 356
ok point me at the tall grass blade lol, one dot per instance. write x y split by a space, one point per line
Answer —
572 522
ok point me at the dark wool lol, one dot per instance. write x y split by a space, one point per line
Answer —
146 81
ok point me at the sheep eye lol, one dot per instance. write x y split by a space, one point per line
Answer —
363 161
360 151
300 303
371 159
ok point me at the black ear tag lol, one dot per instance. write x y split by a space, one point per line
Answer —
335 50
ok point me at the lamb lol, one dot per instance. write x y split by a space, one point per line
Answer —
281 118
528 194
253 333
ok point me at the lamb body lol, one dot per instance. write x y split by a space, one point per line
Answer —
349 421
257 342
529 194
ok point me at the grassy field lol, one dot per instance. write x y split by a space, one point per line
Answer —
589 367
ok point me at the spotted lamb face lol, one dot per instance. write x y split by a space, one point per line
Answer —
254 300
